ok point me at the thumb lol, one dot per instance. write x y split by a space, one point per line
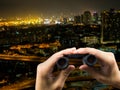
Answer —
64 74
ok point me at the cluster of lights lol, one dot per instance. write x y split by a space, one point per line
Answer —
20 21
51 21
32 20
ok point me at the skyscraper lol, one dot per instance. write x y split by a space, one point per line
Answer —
95 18
87 17
110 26
77 19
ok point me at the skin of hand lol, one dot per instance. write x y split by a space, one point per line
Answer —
109 72
45 79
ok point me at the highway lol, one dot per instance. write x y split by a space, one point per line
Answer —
22 58
76 62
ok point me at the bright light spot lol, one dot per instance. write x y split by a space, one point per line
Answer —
46 21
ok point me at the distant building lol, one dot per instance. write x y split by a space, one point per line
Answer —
64 21
90 40
77 19
110 26
82 19
95 18
87 17
70 20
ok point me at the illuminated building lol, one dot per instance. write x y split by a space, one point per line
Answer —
110 26
70 20
90 39
87 17
95 18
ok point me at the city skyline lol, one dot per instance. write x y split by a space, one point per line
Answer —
54 7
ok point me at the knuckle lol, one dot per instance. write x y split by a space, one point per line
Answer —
111 54
40 68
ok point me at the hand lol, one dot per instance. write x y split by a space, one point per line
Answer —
45 79
109 72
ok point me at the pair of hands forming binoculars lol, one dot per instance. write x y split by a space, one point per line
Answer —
87 59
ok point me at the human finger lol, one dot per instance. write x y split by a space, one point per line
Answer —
50 63
101 55
63 75
93 72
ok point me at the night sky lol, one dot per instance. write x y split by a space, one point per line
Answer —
54 7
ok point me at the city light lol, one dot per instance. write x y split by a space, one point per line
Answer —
21 21
27 41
